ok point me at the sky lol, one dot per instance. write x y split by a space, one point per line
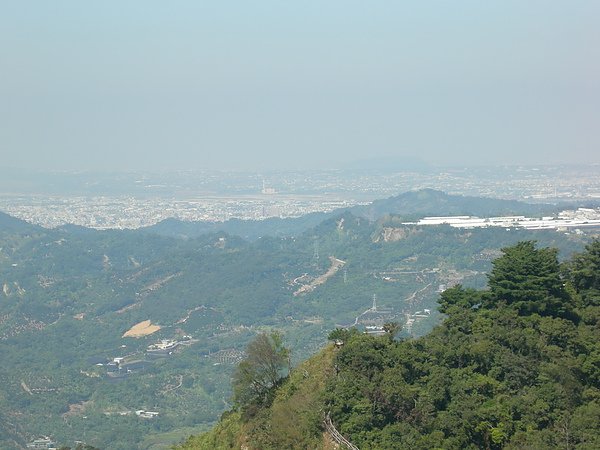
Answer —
271 84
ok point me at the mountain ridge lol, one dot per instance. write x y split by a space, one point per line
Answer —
407 205
493 375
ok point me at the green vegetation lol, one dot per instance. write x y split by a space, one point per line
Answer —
430 202
79 447
292 419
528 279
261 370
68 295
513 367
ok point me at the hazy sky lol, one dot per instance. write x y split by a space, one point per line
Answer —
299 84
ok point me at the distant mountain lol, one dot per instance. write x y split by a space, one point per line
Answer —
68 296
247 229
12 224
430 202
409 205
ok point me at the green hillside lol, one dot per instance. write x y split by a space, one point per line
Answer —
68 297
515 366
430 202
408 205
293 418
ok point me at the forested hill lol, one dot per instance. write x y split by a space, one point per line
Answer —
408 205
12 224
82 311
515 366
430 202
247 229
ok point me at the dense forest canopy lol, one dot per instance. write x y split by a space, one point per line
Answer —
514 366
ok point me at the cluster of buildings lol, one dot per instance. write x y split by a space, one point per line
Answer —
412 318
118 368
122 367
42 443
130 213
566 220
139 200
47 443
163 348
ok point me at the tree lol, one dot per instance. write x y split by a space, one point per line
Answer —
528 279
457 299
392 329
342 334
584 273
261 370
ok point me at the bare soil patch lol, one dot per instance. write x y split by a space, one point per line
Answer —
336 264
141 329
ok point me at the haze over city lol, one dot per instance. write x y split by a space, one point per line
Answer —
276 85
292 225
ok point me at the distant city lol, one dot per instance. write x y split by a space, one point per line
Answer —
135 199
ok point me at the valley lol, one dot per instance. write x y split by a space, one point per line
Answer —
97 325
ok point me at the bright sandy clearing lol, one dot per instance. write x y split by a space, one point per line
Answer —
141 329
